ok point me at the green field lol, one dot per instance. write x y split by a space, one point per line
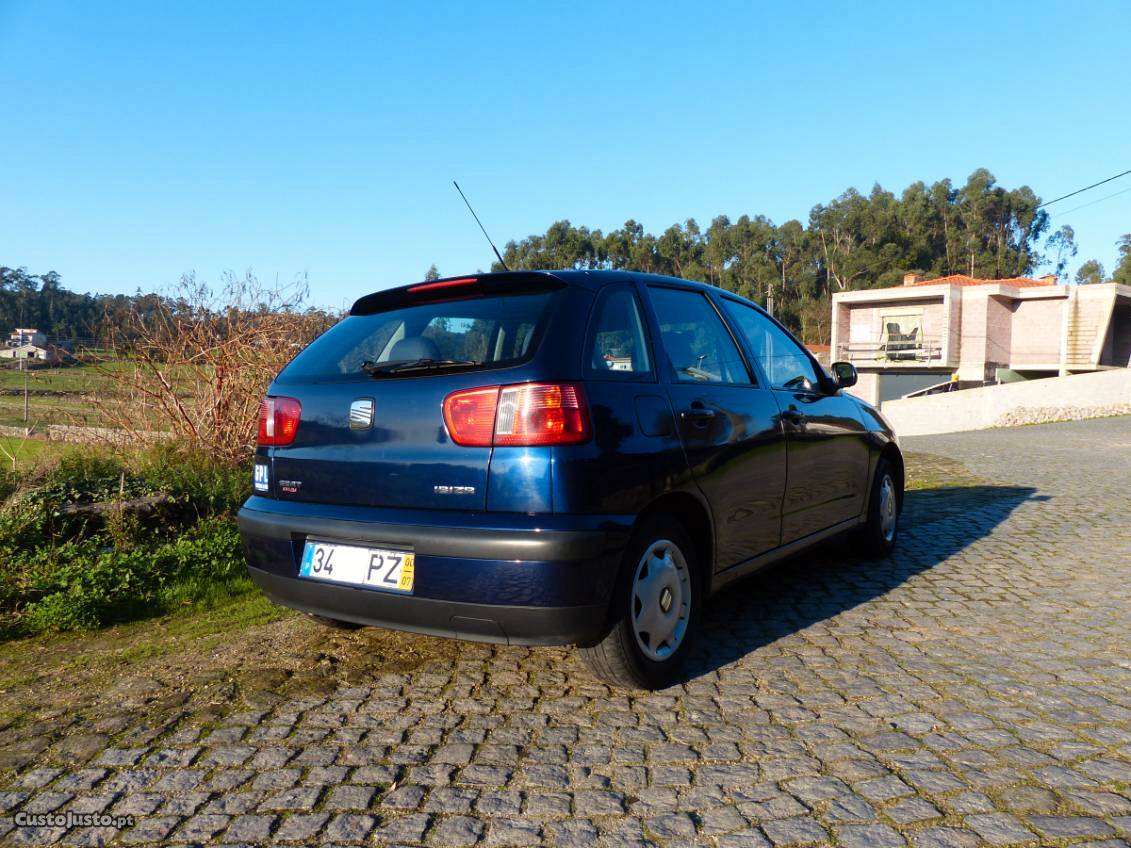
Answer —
73 378
63 395
27 453
55 395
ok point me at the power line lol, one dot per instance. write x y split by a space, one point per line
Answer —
1094 202
1082 190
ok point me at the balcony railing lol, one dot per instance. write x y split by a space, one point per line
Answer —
893 348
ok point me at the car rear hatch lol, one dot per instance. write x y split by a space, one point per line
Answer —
371 428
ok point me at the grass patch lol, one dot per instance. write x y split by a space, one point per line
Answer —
70 378
99 538
28 452
931 471
193 624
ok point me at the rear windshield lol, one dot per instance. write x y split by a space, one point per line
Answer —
473 334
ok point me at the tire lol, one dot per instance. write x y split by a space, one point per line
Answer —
335 623
876 537
660 582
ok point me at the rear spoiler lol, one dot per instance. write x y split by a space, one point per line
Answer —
457 288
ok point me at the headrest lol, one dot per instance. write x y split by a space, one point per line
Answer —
414 347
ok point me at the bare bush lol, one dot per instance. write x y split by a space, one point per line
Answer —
193 363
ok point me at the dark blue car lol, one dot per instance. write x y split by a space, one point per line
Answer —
556 458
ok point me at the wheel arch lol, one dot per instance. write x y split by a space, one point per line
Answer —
695 516
894 456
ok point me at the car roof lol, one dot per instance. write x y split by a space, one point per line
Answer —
592 280
599 279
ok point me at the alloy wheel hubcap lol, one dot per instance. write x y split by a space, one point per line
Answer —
661 600
887 508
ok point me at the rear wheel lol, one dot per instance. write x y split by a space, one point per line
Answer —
876 538
656 609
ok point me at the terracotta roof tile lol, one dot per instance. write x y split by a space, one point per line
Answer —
964 280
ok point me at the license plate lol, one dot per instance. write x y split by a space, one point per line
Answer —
376 568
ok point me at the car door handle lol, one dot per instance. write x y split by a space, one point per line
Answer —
698 414
793 417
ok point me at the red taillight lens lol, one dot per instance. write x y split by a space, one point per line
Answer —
470 415
524 415
539 414
278 420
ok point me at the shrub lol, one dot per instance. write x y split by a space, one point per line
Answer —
114 585
77 554
195 362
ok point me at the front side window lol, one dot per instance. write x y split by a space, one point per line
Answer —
785 364
617 348
696 343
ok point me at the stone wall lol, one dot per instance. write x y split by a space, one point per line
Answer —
1097 394
83 435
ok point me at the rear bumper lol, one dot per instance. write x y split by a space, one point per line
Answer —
503 624
529 580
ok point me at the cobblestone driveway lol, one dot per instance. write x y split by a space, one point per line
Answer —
975 689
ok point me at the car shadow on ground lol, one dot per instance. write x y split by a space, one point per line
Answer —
828 580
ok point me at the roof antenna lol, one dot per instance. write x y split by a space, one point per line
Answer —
480 223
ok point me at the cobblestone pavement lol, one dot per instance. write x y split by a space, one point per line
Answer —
974 689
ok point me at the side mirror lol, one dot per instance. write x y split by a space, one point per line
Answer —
844 374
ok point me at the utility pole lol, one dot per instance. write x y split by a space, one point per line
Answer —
23 367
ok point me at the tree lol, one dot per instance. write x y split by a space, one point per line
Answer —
432 274
855 241
1122 273
1090 272
1063 244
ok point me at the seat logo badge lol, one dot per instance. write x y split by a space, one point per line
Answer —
361 414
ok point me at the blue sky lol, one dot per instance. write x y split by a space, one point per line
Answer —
143 140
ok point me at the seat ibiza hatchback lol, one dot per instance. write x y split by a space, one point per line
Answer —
556 458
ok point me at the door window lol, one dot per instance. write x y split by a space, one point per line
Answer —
786 365
696 342
616 347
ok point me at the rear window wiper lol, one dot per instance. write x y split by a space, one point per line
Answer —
375 369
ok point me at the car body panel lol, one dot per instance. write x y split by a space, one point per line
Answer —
738 459
622 469
829 462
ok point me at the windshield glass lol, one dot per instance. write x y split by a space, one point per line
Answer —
481 332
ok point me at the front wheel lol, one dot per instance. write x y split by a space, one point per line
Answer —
656 610
876 537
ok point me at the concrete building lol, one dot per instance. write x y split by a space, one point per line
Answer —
32 345
958 328
22 336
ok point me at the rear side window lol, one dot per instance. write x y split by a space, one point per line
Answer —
478 333
617 348
697 345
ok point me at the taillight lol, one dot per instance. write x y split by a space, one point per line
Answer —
470 415
524 415
541 414
278 420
